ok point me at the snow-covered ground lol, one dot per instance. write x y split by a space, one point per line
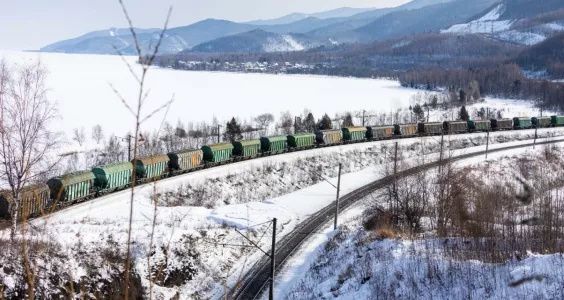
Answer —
505 30
81 85
487 24
351 264
87 227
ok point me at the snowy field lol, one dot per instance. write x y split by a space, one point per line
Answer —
81 85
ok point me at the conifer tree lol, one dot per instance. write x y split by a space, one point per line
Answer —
232 131
463 114
325 123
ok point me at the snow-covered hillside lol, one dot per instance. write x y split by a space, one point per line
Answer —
357 263
196 214
487 24
519 31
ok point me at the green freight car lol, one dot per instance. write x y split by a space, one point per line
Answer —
501 124
405 130
328 137
185 160
429 128
379 132
557 121
541 122
479 125
112 177
354 134
274 144
455 126
71 187
301 141
522 123
246 149
151 168
218 153
35 202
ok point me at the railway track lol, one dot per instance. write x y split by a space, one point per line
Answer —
258 277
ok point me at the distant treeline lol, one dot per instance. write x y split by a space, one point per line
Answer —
506 81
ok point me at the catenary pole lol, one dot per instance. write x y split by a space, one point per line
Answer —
272 261
337 200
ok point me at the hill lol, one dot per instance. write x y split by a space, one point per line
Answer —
257 41
342 12
427 19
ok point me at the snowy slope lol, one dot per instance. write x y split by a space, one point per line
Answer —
352 265
87 227
486 24
526 31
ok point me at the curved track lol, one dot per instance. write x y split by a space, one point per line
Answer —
257 278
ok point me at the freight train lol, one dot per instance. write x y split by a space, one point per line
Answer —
80 186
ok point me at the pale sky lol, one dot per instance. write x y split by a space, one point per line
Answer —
31 24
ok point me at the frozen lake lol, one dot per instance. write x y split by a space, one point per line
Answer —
81 86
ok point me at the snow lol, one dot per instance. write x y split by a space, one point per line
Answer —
95 220
494 14
314 270
81 86
555 26
112 33
523 38
487 24
293 43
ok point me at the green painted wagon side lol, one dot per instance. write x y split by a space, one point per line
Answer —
151 167
557 120
35 201
304 140
247 148
382 132
71 187
479 125
541 122
218 153
184 160
112 176
354 133
522 123
274 144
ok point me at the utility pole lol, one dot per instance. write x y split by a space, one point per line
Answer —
295 124
272 262
535 142
487 143
218 133
271 255
128 139
337 201
363 114
441 154
395 187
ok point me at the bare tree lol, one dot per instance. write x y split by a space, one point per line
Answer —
145 61
264 121
97 133
25 139
286 122
79 136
